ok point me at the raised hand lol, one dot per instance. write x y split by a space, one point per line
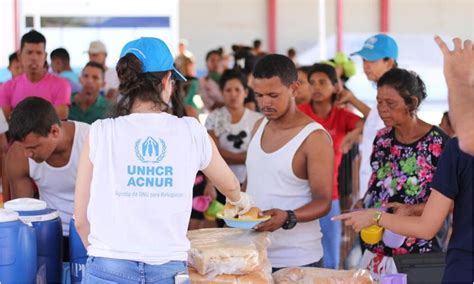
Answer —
459 62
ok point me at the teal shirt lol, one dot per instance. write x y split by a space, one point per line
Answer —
99 110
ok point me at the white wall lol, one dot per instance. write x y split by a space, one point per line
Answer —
208 24
7 45
297 24
450 17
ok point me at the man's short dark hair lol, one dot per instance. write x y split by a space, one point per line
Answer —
276 65
32 115
12 57
96 65
32 37
257 43
61 54
212 52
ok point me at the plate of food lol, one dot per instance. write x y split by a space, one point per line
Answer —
245 221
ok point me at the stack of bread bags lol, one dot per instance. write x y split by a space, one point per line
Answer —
310 275
228 255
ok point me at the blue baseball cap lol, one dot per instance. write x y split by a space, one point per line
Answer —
378 47
154 54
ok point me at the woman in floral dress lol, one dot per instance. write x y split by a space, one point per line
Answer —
404 159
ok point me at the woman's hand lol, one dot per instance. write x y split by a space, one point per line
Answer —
358 220
243 205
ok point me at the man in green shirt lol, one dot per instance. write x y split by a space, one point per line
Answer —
88 105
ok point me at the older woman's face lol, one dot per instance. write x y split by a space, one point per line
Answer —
391 107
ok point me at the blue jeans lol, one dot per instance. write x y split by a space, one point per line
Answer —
108 271
332 231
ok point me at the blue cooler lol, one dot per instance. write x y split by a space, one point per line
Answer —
49 235
77 254
17 249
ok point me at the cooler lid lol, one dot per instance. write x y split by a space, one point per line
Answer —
7 215
25 204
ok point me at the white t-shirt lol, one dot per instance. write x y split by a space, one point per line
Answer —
144 166
56 185
233 137
372 125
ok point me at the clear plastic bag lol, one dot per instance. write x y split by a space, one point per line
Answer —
228 251
310 275
256 277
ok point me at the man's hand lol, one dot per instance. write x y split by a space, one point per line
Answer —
458 63
278 218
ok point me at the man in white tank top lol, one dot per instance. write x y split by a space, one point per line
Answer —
45 155
289 166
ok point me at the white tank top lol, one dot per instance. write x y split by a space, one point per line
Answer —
272 184
144 167
56 185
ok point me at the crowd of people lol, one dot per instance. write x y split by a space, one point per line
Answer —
122 149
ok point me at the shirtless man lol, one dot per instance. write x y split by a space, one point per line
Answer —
289 166
45 152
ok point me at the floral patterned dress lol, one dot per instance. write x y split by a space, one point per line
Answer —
403 173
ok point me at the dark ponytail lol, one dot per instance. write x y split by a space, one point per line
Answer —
134 84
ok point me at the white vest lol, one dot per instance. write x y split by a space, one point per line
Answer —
272 184
372 125
144 166
56 185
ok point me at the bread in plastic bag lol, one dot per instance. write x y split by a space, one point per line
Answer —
311 275
219 251
256 277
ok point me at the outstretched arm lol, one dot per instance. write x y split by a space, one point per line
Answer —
425 226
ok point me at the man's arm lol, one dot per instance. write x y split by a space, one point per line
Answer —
459 74
320 169
62 111
17 173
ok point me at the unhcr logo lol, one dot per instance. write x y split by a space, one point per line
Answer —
370 43
150 151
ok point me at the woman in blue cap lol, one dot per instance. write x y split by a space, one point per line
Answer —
135 179
379 54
